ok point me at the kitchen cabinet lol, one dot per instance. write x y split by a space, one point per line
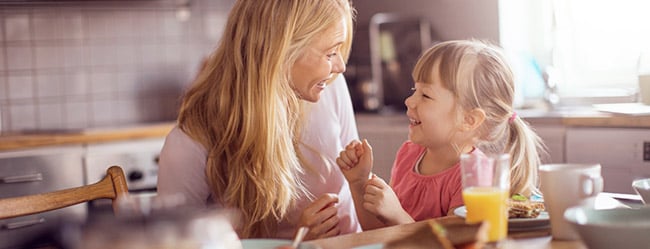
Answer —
37 163
620 151
35 171
385 133
553 137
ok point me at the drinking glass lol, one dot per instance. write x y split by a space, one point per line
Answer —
643 71
486 187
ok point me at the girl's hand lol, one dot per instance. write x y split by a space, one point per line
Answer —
356 161
321 218
381 200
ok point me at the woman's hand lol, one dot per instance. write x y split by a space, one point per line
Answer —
380 200
321 218
356 161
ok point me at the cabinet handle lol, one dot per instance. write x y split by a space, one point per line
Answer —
22 178
21 224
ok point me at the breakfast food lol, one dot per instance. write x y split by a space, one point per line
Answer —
521 207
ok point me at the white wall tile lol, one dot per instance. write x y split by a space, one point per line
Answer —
50 115
152 55
4 89
76 114
171 25
85 59
126 83
75 55
102 55
214 21
49 85
123 23
102 82
2 27
3 64
19 57
126 55
103 112
73 25
49 56
127 111
17 27
76 83
21 87
47 26
149 25
23 117
98 24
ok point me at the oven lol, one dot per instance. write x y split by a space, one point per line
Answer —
138 159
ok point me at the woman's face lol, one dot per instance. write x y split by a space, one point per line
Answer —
318 62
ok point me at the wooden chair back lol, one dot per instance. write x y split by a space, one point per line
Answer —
113 186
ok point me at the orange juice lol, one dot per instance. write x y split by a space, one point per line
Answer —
488 204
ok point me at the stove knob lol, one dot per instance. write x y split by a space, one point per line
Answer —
135 175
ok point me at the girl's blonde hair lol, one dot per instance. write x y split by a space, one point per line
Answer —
243 110
479 77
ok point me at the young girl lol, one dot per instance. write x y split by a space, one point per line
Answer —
462 103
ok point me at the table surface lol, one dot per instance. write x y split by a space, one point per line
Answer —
516 240
535 239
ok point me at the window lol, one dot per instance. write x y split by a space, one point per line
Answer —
592 47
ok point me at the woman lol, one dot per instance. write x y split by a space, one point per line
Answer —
238 141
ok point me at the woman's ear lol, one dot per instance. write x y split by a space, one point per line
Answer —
473 119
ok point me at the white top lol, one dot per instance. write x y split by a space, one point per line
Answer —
330 126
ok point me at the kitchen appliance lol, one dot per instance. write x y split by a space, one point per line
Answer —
395 43
138 159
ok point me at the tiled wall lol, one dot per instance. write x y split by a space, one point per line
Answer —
102 64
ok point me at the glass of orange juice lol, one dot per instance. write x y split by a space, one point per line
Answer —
486 187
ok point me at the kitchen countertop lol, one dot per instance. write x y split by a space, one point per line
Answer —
569 118
15 141
365 121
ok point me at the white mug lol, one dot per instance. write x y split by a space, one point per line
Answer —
567 185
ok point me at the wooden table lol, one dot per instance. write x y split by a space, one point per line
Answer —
538 239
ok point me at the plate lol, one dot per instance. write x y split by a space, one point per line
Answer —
517 224
371 246
264 243
271 244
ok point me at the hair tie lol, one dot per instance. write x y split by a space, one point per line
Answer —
512 117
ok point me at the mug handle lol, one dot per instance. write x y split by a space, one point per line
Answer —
590 185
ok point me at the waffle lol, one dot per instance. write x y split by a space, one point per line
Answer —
524 208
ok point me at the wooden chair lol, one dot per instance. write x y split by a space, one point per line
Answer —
113 186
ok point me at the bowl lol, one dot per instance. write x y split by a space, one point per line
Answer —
611 228
642 187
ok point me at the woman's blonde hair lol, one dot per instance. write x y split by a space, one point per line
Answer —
243 110
479 77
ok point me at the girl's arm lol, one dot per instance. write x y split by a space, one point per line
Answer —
356 164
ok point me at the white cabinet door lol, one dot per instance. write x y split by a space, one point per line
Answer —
385 133
618 150
553 137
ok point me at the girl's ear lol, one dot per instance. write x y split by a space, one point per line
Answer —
473 119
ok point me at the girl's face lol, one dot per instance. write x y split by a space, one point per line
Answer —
432 115
319 61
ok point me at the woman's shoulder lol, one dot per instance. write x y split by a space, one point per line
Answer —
177 139
179 144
